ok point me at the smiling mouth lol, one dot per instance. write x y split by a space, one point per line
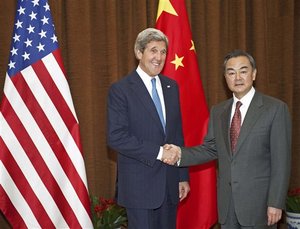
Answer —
238 84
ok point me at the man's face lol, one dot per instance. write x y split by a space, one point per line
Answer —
239 75
152 60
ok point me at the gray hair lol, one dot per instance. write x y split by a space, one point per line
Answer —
237 53
148 35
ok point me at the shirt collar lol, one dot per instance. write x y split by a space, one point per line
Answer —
246 98
145 77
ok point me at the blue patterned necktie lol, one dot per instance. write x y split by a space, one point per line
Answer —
157 102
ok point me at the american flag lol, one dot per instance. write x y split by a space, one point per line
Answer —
42 174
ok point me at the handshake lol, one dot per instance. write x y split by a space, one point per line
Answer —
171 154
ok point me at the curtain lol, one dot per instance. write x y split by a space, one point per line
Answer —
96 38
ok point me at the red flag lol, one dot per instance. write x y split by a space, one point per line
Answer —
199 209
42 174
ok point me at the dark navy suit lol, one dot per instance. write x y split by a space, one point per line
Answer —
136 133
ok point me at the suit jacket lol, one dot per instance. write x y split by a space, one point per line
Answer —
257 175
136 133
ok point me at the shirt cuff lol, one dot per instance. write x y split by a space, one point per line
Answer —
159 156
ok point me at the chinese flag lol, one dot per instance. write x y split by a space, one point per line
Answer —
198 210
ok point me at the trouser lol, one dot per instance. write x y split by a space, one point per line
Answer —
233 223
163 217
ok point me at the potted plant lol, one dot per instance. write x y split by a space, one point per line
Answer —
293 209
107 214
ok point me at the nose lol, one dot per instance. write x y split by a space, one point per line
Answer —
238 75
158 56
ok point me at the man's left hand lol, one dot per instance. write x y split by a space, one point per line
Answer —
184 189
274 215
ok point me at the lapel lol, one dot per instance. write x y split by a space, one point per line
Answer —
141 92
254 111
225 122
168 95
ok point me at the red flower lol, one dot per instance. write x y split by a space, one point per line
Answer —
97 208
107 213
294 192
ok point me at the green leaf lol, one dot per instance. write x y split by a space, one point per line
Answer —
293 204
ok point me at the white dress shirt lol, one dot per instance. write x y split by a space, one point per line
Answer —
246 100
147 81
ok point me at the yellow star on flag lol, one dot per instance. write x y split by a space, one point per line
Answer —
178 61
165 5
193 46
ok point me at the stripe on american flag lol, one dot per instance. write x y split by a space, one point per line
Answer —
16 198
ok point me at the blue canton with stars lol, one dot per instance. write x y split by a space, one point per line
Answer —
33 36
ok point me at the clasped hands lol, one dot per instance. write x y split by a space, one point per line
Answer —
171 154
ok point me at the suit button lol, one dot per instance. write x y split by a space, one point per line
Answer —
229 183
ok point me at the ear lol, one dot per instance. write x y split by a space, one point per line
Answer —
254 75
138 54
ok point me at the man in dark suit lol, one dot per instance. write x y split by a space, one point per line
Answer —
148 188
253 149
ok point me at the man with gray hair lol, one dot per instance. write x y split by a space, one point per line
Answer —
143 115
250 136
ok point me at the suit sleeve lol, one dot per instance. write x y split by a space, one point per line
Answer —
202 153
280 143
119 136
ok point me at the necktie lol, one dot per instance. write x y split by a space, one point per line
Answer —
157 102
235 126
